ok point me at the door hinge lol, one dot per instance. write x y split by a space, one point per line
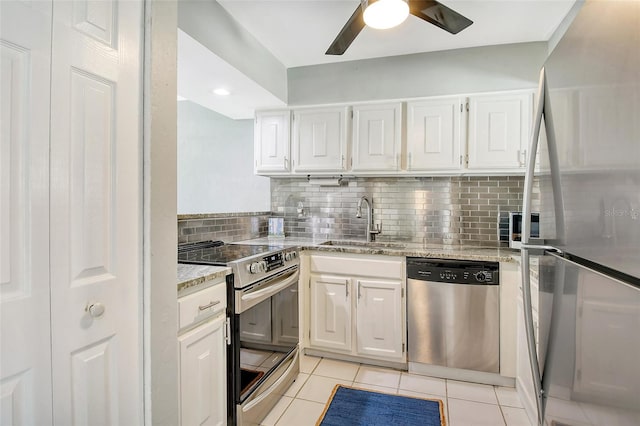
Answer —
309 334
309 282
402 292
579 375
461 106
403 348
351 113
467 106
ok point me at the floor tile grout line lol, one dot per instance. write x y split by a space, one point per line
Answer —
504 419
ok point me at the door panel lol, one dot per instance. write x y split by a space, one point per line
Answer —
433 135
376 137
95 209
203 368
25 364
379 318
320 140
330 312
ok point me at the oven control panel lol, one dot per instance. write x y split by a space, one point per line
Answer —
271 262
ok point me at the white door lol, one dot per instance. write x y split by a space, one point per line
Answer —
499 127
379 318
96 196
203 373
330 320
377 133
272 142
320 140
433 135
25 364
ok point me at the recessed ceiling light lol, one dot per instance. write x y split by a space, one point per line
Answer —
221 92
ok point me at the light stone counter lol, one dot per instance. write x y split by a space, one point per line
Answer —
439 251
192 276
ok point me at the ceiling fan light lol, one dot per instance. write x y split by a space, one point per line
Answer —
384 14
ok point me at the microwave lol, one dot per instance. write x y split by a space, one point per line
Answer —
515 228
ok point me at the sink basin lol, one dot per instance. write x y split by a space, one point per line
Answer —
364 244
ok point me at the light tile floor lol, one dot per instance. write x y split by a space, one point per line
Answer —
465 404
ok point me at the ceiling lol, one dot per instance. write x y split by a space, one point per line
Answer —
200 72
298 32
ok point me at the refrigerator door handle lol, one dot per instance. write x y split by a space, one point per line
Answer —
526 232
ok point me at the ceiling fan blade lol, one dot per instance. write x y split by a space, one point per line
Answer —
439 15
348 33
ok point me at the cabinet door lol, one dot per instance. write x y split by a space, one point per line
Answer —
255 324
499 127
433 135
376 137
203 371
379 318
285 310
272 142
330 311
320 140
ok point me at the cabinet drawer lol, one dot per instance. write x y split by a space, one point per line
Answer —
380 267
201 305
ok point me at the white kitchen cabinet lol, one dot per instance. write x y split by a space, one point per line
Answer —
377 133
356 306
379 318
498 132
272 143
202 342
330 312
203 384
434 137
320 140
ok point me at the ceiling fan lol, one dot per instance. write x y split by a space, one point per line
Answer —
430 10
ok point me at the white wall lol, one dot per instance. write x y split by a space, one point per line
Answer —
215 164
472 70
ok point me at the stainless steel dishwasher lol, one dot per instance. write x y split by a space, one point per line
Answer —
453 317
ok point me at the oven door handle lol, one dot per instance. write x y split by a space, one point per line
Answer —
271 289
274 386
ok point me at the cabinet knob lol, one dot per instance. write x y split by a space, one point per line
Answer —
96 310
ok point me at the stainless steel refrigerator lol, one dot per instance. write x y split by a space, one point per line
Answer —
586 187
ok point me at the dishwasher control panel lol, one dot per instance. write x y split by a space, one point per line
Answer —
453 271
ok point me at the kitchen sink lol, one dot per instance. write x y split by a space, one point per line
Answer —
364 244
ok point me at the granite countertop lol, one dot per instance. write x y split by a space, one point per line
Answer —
190 276
440 251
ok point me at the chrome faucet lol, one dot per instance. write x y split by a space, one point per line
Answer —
372 230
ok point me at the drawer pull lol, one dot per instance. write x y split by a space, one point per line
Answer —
205 307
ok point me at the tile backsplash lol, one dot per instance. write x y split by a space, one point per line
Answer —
228 227
450 210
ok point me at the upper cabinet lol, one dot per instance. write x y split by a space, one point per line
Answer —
499 127
377 132
320 140
271 136
434 135
478 134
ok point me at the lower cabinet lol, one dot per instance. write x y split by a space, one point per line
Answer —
202 342
203 368
357 315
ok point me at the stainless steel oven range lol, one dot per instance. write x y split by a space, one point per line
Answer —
262 295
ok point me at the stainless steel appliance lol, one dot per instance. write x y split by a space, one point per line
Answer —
453 313
515 228
587 372
263 305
